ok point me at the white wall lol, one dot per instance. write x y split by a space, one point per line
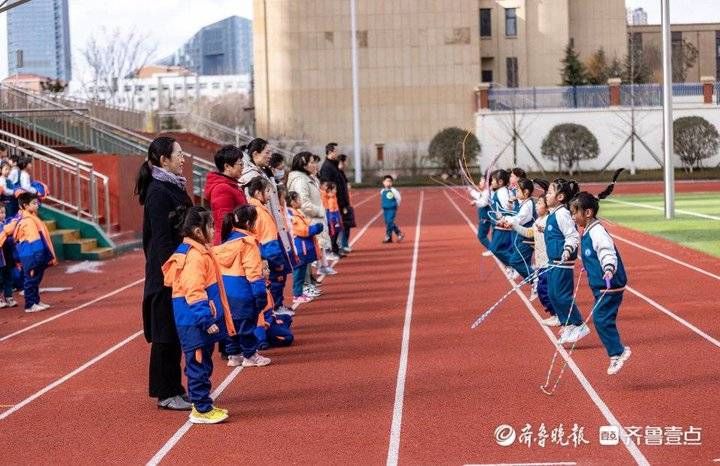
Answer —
494 130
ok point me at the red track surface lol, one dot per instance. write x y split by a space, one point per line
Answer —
330 397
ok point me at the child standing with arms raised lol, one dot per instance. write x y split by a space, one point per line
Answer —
390 201
202 314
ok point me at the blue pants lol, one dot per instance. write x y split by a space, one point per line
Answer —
299 279
278 333
390 227
244 341
521 257
31 286
605 316
482 234
501 245
198 376
543 294
277 287
345 238
560 285
7 281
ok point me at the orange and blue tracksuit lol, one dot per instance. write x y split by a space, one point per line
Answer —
241 268
271 250
8 254
34 249
599 255
304 233
199 302
332 214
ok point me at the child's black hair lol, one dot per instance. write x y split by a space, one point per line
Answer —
329 185
257 184
526 185
519 172
186 219
23 162
24 199
243 217
291 196
544 184
276 160
388 177
568 188
501 175
586 200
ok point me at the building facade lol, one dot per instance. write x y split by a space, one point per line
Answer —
637 17
703 37
39 39
419 62
221 48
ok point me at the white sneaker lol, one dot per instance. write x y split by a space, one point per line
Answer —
256 360
10 302
235 360
579 332
331 256
347 249
514 274
564 333
327 270
311 290
617 362
3 303
487 254
43 305
35 308
533 293
551 321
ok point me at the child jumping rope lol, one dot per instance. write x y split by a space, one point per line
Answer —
241 268
202 313
562 240
501 243
606 276
522 249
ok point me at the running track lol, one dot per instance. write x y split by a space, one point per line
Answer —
382 370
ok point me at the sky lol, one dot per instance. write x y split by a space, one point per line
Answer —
171 22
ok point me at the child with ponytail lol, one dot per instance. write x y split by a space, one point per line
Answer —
200 307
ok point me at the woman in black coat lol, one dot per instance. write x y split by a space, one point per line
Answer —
160 188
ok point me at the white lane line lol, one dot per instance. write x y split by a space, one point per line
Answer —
394 445
69 311
68 376
172 441
594 396
652 207
364 201
665 256
554 463
674 316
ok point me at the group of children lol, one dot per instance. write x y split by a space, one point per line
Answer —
26 249
537 238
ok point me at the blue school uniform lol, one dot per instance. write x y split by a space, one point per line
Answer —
521 256
561 235
390 201
501 243
599 255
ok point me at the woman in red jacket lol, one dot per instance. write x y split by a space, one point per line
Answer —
222 189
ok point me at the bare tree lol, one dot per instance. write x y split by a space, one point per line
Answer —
112 56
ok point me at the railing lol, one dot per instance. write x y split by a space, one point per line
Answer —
212 130
120 116
643 95
73 183
61 125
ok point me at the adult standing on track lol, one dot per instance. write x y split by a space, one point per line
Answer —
348 218
222 189
160 188
301 179
257 163
330 171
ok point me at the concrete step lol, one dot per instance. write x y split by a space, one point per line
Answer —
51 225
66 235
74 249
98 254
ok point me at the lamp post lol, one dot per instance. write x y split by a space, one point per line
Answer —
667 112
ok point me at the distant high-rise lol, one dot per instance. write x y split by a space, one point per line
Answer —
224 47
637 17
39 39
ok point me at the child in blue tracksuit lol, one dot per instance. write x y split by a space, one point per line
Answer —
303 233
522 248
242 274
501 243
34 249
481 200
202 314
606 276
390 201
562 241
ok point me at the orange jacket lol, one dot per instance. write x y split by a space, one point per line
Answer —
329 201
32 239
